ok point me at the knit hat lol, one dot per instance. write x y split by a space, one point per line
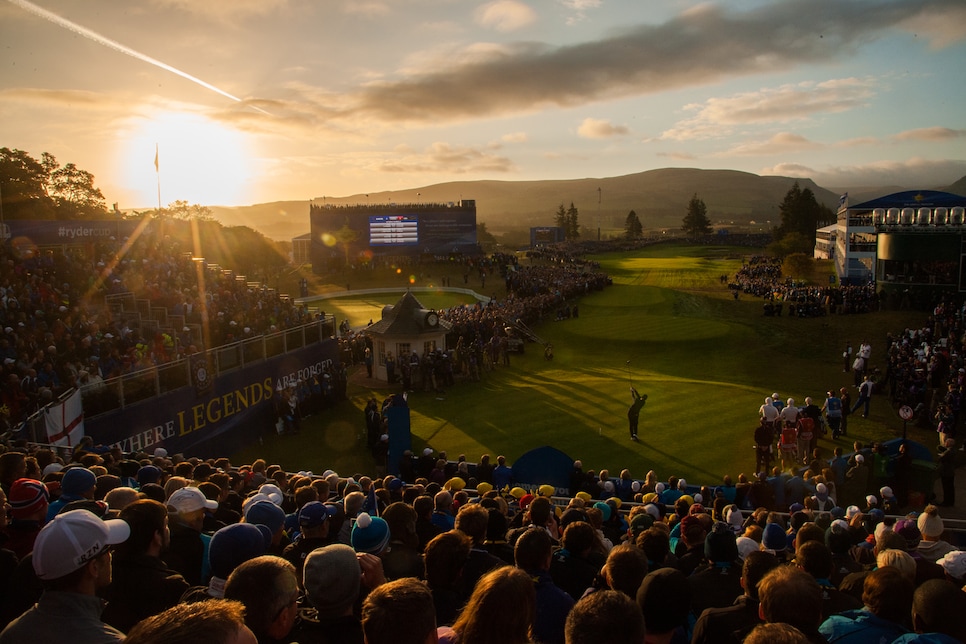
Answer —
27 497
483 487
518 492
733 516
885 492
369 534
331 576
837 512
191 499
69 541
235 544
720 544
546 490
954 563
795 507
526 500
653 510
871 500
659 488
907 529
774 538
77 482
604 508
930 524
265 513
851 511
583 496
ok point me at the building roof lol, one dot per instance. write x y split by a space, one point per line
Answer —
407 317
913 199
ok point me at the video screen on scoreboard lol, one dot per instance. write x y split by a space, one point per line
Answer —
393 230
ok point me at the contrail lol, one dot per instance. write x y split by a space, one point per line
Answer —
116 46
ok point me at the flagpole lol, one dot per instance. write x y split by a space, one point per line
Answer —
157 173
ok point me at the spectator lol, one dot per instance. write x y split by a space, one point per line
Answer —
717 584
533 551
664 599
500 611
791 596
445 557
937 614
399 612
28 511
605 617
625 568
816 559
77 484
402 558
72 557
930 524
187 546
218 621
472 520
230 547
313 520
333 580
731 624
268 588
425 528
571 568
777 633
142 584
887 599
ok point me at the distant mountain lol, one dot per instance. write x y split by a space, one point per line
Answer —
659 197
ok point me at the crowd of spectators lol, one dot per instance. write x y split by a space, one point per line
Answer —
761 276
58 329
456 551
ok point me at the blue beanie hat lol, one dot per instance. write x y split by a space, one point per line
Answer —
774 537
235 544
267 514
605 509
76 482
369 534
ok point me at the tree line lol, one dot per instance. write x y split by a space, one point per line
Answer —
801 215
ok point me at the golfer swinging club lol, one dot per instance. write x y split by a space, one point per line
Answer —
634 411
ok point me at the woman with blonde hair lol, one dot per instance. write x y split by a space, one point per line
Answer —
500 611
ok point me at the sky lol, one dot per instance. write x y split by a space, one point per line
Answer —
252 101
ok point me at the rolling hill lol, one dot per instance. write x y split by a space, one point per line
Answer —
659 197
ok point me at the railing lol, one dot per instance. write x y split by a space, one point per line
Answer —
123 391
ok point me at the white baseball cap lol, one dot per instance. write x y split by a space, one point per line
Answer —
191 499
72 539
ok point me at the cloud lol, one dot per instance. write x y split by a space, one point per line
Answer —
226 8
579 9
788 170
369 9
592 128
718 117
60 98
913 173
780 143
706 45
944 25
444 158
677 156
933 134
514 137
505 15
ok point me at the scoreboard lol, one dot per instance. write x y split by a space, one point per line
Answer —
393 230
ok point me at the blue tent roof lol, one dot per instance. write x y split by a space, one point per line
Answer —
914 199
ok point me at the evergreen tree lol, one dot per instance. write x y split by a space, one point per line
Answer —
696 222
800 213
632 226
573 225
560 218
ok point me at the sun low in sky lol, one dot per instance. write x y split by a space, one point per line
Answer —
251 101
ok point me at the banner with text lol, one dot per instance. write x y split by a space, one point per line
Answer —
234 412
